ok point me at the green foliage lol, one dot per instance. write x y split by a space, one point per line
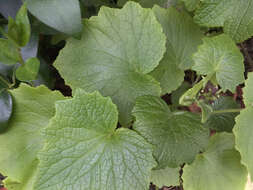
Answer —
177 136
219 166
140 75
84 147
111 60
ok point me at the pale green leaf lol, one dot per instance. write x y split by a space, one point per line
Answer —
248 91
183 38
221 57
177 136
165 177
84 148
218 167
191 4
222 121
239 24
9 53
206 110
146 3
213 13
117 50
62 15
29 70
32 109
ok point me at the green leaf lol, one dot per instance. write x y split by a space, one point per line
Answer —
177 136
191 4
84 148
117 50
220 56
32 109
248 91
145 3
29 70
183 38
243 129
5 109
63 15
9 53
175 96
19 30
222 121
213 13
239 25
165 177
218 167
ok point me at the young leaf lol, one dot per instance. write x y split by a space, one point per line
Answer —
220 56
84 148
5 109
183 38
29 70
219 166
165 177
117 50
177 137
32 109
63 15
222 121
243 129
213 13
239 25
146 3
9 53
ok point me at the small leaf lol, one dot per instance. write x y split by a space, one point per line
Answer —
218 167
84 148
9 53
166 177
118 49
63 15
222 121
221 57
19 30
5 109
29 70
177 136
32 109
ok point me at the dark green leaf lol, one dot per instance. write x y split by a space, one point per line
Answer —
5 109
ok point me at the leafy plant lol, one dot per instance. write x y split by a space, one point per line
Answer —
153 96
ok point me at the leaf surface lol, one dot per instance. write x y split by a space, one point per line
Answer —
32 109
117 50
220 56
219 166
183 38
63 15
84 148
5 109
29 70
9 52
145 3
177 136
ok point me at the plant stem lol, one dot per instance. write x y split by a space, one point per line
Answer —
5 81
227 111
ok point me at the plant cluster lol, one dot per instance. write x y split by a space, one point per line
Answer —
138 71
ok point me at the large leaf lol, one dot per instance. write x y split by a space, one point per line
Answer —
243 129
213 13
177 137
84 148
166 177
117 50
222 121
145 3
239 25
63 15
220 57
218 167
32 109
10 8
183 38
5 109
